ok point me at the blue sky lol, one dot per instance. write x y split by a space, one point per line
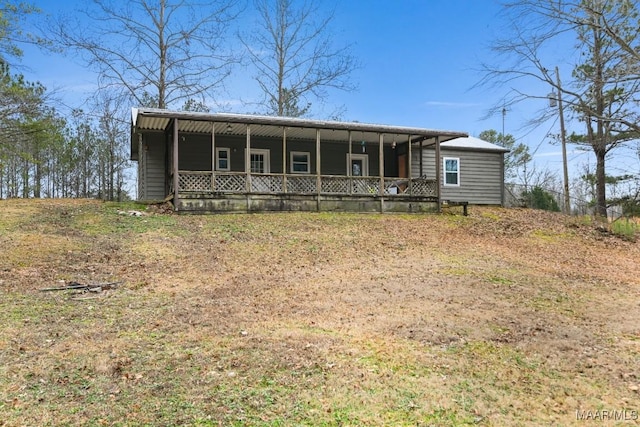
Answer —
419 63
418 59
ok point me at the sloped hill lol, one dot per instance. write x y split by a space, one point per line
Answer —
505 317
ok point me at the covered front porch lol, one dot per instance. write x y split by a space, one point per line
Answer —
245 163
238 191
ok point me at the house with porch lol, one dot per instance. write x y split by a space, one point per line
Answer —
206 162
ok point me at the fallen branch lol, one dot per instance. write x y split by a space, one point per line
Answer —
75 286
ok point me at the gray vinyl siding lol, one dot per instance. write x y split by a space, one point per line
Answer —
334 157
154 173
481 175
195 154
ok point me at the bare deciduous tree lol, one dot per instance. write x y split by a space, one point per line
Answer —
295 57
605 86
112 158
157 52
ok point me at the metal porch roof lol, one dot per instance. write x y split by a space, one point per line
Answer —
150 119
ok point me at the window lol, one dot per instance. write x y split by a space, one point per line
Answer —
451 171
300 162
223 159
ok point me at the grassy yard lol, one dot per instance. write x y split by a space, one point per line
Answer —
504 317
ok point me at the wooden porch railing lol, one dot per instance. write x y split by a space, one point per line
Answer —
235 182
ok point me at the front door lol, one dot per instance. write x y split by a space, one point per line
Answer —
358 164
259 160
402 166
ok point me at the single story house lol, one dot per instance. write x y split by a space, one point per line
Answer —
222 162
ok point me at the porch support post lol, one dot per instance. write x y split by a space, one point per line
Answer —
438 172
176 180
381 165
318 168
213 156
421 149
247 160
409 172
349 163
284 159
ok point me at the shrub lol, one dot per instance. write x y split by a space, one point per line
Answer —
538 198
625 228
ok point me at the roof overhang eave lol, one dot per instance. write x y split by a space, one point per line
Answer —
150 119
139 114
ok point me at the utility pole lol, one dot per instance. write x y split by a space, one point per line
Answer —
504 113
567 202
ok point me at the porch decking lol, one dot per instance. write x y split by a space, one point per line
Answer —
204 191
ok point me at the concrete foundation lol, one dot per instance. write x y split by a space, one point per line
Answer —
221 203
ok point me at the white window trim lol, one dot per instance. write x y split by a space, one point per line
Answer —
365 163
300 153
444 171
267 157
228 151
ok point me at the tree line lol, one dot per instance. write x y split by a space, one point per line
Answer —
529 186
43 154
